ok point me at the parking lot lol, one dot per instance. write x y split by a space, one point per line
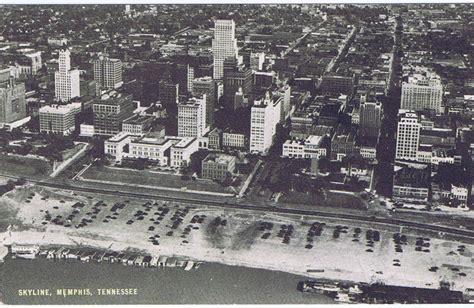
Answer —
329 249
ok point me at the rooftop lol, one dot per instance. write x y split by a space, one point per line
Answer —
219 158
60 109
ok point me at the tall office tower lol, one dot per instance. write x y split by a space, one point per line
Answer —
224 45
109 113
12 98
370 117
408 135
422 91
168 94
108 72
192 117
264 117
66 81
236 78
207 86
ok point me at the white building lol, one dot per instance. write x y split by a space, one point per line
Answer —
224 45
192 117
164 151
59 119
108 72
422 91
35 58
234 140
66 81
308 148
256 60
115 145
408 135
180 154
265 115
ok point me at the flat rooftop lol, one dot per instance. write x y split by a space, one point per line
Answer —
219 158
60 109
138 120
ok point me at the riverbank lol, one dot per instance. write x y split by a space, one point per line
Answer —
212 283
290 243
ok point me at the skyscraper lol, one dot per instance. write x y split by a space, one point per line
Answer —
12 98
370 118
66 81
207 86
422 91
108 72
224 45
408 135
265 115
192 117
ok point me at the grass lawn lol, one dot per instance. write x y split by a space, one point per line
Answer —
332 200
24 166
143 177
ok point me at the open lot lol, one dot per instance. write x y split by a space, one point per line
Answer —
342 250
333 199
144 177
15 165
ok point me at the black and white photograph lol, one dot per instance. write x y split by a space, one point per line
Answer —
166 153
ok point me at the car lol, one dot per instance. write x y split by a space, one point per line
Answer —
151 228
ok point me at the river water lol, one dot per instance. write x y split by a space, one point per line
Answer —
211 283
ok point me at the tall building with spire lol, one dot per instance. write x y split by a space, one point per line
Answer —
224 45
66 81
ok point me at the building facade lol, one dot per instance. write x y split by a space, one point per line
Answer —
408 136
422 91
192 117
206 86
12 98
370 117
218 166
265 115
59 119
110 112
66 81
108 72
224 45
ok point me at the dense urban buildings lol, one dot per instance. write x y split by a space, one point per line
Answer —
230 133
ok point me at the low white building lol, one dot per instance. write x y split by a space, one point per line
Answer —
165 151
115 145
308 148
180 154
87 130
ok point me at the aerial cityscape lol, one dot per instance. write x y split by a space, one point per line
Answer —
236 153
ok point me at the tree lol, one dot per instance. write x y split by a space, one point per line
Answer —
21 181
